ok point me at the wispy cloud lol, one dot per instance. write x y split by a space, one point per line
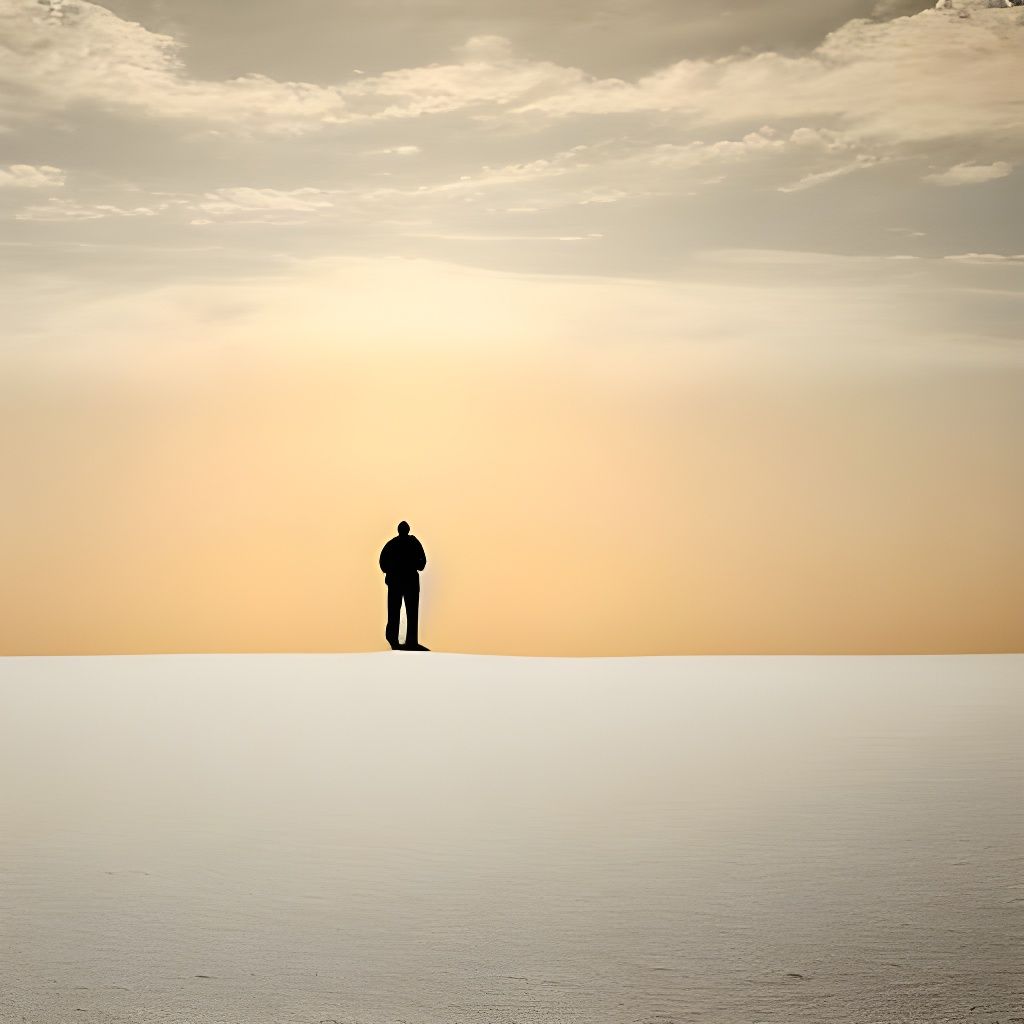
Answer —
862 162
245 199
452 237
970 174
394 151
31 176
69 210
983 258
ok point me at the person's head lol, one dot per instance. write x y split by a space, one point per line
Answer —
403 527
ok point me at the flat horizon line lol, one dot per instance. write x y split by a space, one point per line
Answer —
524 657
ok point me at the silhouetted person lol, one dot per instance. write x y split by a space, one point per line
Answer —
401 560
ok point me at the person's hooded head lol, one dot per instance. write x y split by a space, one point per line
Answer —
403 528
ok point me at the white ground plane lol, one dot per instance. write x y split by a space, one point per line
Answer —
442 838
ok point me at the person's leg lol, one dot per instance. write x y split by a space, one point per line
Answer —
412 616
394 615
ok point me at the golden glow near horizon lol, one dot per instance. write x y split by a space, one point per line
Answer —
644 377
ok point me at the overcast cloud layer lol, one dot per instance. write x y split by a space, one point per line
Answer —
911 119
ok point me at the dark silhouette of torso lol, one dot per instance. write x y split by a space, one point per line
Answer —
401 560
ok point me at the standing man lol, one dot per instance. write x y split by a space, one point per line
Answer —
401 560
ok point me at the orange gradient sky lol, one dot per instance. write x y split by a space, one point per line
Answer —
230 486
665 326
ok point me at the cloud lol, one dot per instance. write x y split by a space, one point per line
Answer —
65 210
488 75
83 53
967 6
970 174
451 237
515 146
394 151
923 78
695 154
662 169
56 10
862 162
586 175
598 174
594 175
268 201
986 258
776 258
30 176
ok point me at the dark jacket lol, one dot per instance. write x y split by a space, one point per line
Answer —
401 560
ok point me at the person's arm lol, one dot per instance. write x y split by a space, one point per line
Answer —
421 557
385 558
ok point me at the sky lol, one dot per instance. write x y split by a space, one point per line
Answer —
671 326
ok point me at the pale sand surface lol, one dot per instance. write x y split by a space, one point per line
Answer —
440 838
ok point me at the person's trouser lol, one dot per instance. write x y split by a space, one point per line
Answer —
410 593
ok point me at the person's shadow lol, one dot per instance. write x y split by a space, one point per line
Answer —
401 561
